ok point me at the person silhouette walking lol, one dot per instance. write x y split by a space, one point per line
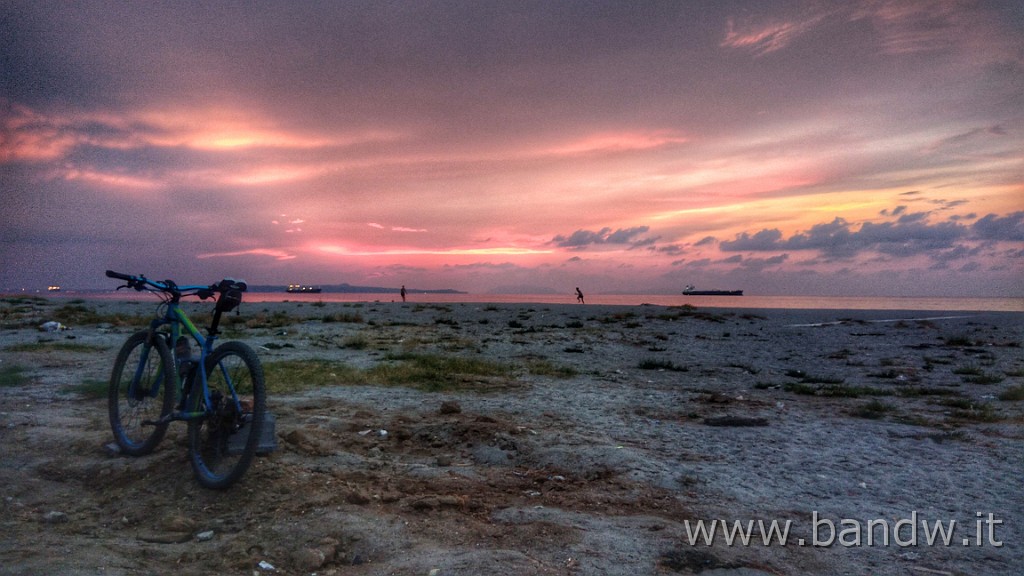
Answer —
579 296
403 292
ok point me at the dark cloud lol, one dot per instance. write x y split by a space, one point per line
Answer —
763 240
913 217
39 67
583 238
670 249
1008 228
910 235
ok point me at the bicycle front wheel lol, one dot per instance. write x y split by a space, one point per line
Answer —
141 392
223 443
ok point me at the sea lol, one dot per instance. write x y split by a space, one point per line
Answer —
746 301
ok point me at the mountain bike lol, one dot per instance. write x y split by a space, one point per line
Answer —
221 393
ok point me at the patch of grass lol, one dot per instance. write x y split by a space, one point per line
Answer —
277 319
833 390
983 378
53 345
434 372
959 403
885 374
1012 394
957 341
978 413
617 317
352 318
356 342
689 311
37 300
968 371
967 409
918 391
80 314
655 364
548 368
91 388
806 378
873 410
293 375
746 368
12 376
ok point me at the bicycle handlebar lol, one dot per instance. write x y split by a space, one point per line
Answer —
141 282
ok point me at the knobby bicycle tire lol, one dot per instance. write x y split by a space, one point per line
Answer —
132 403
222 444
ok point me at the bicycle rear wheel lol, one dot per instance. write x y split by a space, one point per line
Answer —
141 390
223 443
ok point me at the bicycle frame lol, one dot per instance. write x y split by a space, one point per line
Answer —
181 325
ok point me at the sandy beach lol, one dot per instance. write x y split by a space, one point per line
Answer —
467 438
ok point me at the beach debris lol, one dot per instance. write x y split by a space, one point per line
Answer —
55 517
204 536
264 565
52 326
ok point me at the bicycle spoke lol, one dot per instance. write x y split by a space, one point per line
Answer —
141 392
224 442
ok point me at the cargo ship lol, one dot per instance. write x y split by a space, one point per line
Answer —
691 291
303 289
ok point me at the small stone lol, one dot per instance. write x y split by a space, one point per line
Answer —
55 517
450 407
204 536
308 559
357 497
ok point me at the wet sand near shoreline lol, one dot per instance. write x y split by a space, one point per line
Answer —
552 439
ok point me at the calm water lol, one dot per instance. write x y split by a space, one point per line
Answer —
753 301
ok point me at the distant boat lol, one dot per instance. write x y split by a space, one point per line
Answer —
53 288
303 289
691 291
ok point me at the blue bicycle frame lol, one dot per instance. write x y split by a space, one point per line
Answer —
194 378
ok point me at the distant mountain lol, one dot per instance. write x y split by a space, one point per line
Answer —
350 289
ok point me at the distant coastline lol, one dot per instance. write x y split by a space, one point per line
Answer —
790 302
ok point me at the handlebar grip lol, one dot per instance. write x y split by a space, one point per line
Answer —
119 276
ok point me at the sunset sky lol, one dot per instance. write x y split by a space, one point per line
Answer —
824 148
